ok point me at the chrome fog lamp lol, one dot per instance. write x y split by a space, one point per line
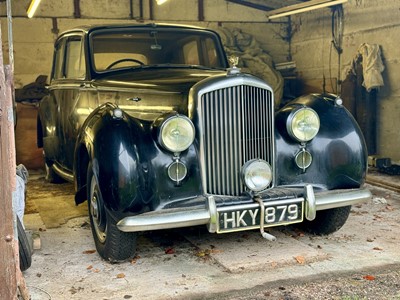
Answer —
256 175
177 171
303 124
117 113
303 159
176 133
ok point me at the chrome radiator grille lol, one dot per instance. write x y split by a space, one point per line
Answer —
237 125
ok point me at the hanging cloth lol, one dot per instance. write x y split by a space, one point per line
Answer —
372 66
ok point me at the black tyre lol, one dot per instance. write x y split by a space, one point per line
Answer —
111 243
25 250
327 221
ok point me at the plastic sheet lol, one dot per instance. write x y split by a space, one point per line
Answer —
253 58
18 196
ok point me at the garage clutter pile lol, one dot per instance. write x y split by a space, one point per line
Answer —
252 58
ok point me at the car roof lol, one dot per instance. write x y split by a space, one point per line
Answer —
90 28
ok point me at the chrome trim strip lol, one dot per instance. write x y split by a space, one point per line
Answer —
133 90
186 217
67 176
69 85
95 87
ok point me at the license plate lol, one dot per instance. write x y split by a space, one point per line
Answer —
245 217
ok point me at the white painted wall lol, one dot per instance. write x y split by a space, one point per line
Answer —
365 21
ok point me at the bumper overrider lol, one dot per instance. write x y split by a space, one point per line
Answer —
238 217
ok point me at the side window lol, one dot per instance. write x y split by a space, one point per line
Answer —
58 60
74 59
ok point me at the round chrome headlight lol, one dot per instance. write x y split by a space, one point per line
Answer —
257 175
303 124
176 133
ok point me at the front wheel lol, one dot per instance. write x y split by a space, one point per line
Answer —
111 243
327 221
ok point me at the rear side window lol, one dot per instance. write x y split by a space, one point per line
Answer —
74 59
69 58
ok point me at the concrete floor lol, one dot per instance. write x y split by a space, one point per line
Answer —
191 263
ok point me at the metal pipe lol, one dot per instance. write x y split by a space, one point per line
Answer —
201 10
141 9
54 29
264 234
131 9
77 9
151 17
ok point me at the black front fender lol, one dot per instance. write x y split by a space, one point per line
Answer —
130 167
111 145
339 151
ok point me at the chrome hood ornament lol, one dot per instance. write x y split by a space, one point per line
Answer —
233 61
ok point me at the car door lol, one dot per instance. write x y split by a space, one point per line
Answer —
68 79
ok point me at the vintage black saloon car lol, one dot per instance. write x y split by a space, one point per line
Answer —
157 131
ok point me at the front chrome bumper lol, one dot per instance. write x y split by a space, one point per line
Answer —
186 217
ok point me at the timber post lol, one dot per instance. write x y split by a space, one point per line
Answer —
11 278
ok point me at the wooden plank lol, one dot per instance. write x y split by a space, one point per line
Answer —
8 269
27 151
23 291
383 183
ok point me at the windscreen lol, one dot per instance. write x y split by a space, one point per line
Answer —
152 47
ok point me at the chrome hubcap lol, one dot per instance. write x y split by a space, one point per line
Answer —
95 212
